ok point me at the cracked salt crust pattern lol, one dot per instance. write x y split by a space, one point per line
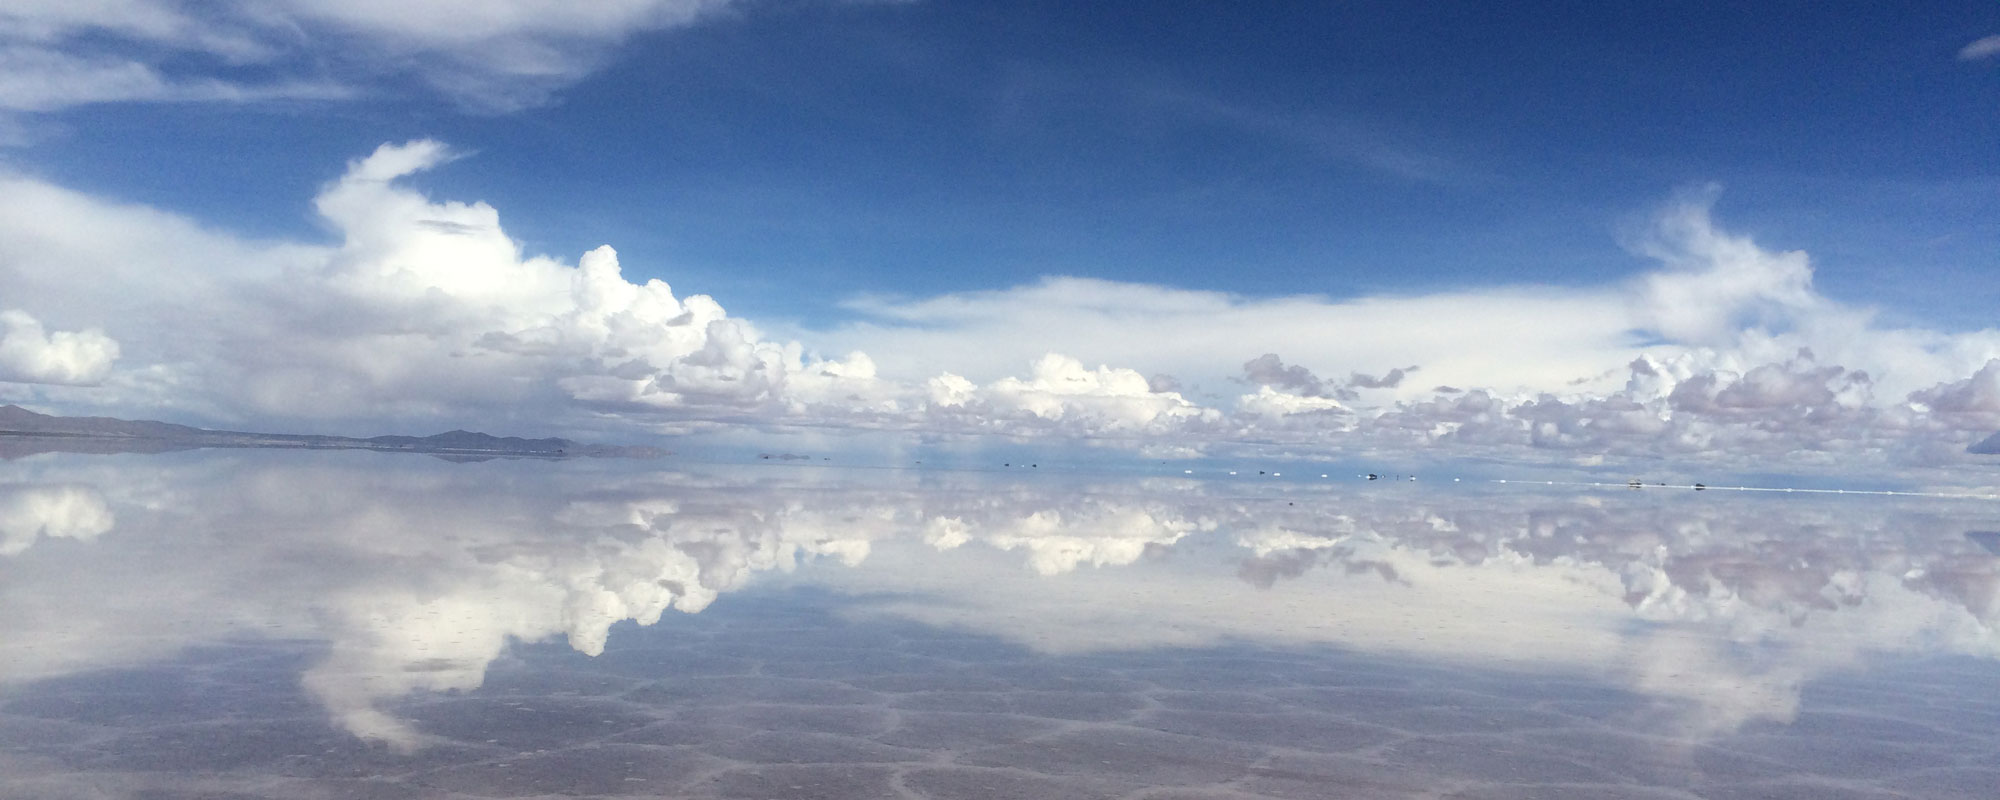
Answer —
780 697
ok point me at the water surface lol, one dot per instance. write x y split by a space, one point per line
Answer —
361 625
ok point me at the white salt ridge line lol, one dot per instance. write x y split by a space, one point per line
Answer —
1880 492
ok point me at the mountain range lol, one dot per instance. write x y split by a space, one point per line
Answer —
23 432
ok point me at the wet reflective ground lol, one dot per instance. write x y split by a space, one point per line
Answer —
360 625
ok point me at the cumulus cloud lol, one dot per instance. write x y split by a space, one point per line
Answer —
1983 48
1818 417
444 277
1269 370
422 309
1060 394
490 55
1157 329
31 354
1283 390
429 309
1389 380
1724 353
1714 284
1273 404
1714 296
425 311
1976 398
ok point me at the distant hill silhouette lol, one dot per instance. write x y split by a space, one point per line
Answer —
23 431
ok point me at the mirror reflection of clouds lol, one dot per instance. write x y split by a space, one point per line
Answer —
410 575
31 511
1722 611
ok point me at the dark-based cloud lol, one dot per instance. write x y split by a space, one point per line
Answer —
1269 370
1389 380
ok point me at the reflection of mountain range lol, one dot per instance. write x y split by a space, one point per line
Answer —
24 432
416 578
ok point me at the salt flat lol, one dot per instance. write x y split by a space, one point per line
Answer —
365 625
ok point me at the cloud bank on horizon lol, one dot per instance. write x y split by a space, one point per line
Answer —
425 310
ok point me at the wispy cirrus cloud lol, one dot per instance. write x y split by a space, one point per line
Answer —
34 79
1983 48
492 56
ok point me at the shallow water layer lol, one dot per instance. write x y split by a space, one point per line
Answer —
358 625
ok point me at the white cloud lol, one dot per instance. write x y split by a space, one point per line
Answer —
36 79
1273 404
1985 47
1716 298
424 309
47 21
452 293
1061 395
491 54
1724 353
31 354
425 312
1714 284
1509 337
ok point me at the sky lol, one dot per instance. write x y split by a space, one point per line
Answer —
1558 232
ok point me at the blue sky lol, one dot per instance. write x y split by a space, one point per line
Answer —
1271 149
811 164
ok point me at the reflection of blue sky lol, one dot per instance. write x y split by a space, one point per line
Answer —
415 575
